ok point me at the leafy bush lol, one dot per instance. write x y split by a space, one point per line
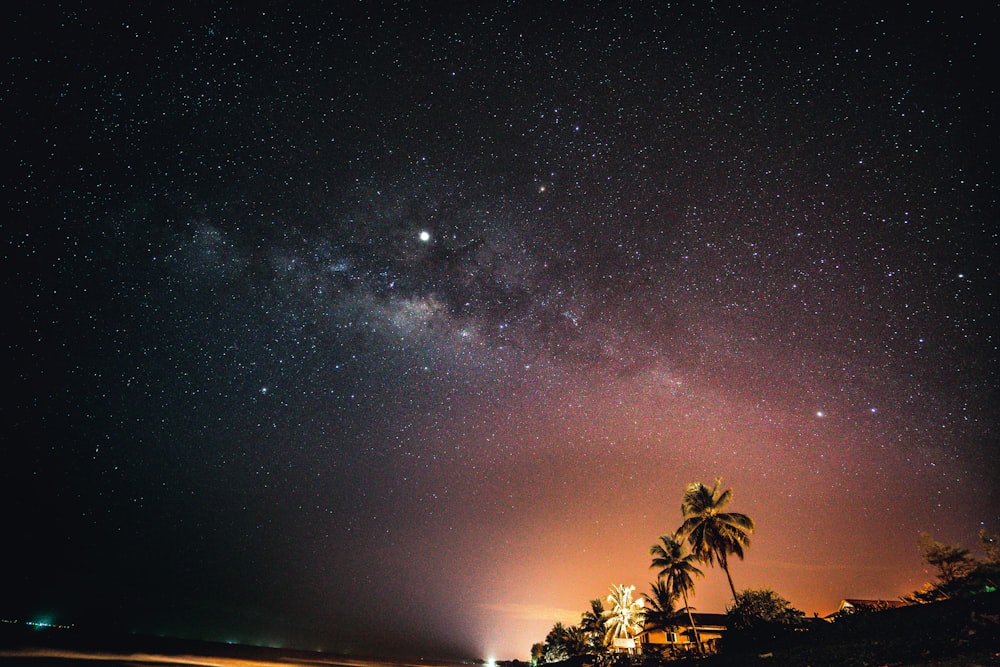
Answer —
759 620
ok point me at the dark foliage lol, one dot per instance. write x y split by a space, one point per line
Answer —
958 572
759 620
950 633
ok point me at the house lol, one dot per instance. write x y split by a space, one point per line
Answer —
680 639
853 605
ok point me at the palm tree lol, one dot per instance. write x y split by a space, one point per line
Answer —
713 533
677 572
626 617
563 643
556 648
660 612
576 641
592 624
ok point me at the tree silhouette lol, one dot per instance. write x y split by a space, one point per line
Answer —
713 533
676 572
759 619
592 624
660 606
756 606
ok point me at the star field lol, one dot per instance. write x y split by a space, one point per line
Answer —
325 318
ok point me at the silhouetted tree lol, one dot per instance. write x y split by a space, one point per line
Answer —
661 607
576 641
952 563
592 624
951 560
761 605
538 653
677 570
958 573
713 533
758 617
556 647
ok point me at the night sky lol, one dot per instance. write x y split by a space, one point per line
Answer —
399 329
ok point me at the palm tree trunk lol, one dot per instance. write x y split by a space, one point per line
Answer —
694 630
724 562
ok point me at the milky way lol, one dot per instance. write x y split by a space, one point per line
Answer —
400 331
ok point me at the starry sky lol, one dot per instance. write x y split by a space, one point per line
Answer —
399 328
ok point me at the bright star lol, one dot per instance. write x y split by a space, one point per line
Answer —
424 235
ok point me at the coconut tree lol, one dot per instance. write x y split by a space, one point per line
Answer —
592 624
677 571
660 608
576 641
660 603
713 533
557 644
626 617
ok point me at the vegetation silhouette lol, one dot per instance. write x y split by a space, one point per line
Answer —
661 613
959 573
677 571
713 533
758 620
951 621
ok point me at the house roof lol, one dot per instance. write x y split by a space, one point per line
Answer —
864 605
709 619
871 604
700 621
